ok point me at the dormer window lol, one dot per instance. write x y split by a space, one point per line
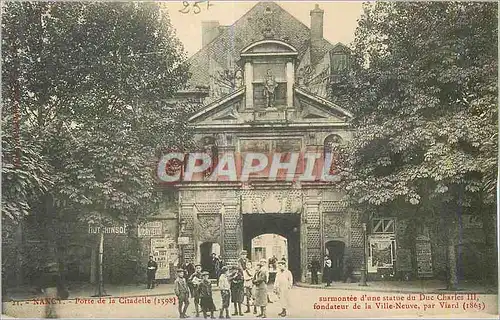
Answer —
339 62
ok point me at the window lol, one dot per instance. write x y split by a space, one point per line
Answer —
386 225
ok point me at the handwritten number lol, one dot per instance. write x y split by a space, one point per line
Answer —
196 8
186 7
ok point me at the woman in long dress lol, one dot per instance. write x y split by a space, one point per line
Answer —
260 282
282 286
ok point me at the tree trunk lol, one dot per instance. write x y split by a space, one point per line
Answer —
452 239
452 266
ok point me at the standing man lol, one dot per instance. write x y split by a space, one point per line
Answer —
151 272
315 267
215 266
327 271
272 262
194 282
282 286
260 282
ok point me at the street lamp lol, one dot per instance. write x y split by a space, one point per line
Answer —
363 266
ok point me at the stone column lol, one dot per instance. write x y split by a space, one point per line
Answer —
187 214
232 242
289 83
313 237
249 85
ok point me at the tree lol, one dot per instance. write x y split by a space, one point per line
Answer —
87 85
423 88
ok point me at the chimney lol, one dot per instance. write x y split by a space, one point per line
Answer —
316 32
209 31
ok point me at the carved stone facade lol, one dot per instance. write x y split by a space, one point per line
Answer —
266 110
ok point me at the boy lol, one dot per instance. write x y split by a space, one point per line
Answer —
248 276
225 288
237 293
194 282
182 292
206 301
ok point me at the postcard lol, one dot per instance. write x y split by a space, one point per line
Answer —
244 159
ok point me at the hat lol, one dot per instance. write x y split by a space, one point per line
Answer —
223 269
180 270
205 273
244 251
262 262
281 262
197 265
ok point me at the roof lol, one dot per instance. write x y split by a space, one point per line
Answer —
223 52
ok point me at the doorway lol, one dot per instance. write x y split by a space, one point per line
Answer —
206 250
335 250
284 226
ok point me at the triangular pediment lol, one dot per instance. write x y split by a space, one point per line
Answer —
231 114
314 108
312 115
224 110
307 109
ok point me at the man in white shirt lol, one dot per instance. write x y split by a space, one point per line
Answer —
282 286
327 271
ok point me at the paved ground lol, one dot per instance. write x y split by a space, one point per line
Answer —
304 303
424 286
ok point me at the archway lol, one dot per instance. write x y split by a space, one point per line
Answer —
285 225
335 250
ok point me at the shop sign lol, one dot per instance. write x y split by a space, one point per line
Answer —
150 229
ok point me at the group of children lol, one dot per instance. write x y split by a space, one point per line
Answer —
236 283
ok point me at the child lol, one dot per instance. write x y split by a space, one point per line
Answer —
237 294
282 285
206 301
182 292
260 281
194 281
248 276
224 287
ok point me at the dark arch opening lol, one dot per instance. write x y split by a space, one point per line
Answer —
335 250
285 225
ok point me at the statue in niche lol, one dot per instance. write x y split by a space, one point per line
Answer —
238 79
270 89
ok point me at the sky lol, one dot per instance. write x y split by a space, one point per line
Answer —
340 18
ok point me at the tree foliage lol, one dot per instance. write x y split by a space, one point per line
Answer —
87 85
423 89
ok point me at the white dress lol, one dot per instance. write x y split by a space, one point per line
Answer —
282 286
